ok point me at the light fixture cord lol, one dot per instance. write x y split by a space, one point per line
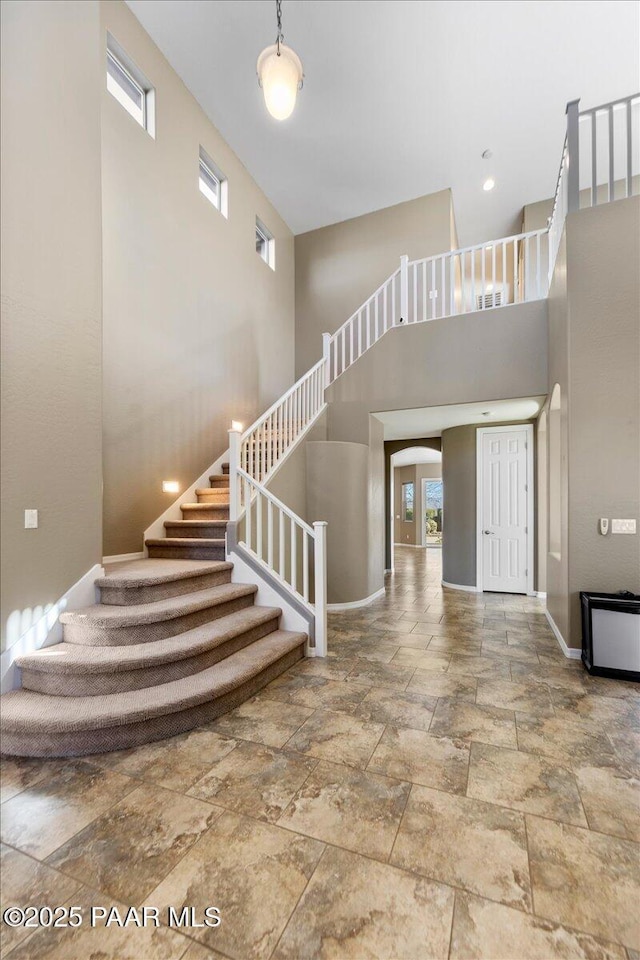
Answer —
280 36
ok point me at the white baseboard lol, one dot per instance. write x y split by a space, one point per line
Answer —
333 607
415 546
48 629
572 653
460 586
540 594
121 557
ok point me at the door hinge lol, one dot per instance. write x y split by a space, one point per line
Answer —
526 573
526 487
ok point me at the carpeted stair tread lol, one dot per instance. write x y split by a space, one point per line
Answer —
192 524
101 615
69 658
28 712
185 542
144 573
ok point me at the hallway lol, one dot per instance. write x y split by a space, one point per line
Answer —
444 784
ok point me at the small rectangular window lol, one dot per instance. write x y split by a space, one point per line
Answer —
265 244
129 86
213 183
407 502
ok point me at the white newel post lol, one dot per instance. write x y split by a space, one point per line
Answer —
326 356
404 289
573 153
320 575
234 463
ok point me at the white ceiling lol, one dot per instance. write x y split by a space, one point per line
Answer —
401 97
431 421
415 455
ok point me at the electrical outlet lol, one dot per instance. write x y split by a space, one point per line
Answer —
603 526
31 519
623 526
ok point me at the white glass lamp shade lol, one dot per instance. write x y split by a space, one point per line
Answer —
280 78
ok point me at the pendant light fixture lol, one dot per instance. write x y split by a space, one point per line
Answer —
279 74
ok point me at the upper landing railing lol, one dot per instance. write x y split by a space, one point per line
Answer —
471 279
600 161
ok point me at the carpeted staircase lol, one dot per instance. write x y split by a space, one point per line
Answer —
172 644
200 533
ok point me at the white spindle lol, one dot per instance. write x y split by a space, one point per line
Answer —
258 502
270 533
538 255
320 586
611 170
483 296
515 272
305 564
294 557
594 154
629 149
281 549
247 513
375 318
425 296
504 266
452 285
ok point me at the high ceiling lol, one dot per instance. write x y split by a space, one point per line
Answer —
401 97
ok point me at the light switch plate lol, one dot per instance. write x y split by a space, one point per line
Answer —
31 519
623 526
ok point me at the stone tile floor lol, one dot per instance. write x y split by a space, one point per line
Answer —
445 784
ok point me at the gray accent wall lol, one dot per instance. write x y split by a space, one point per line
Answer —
459 511
459 476
51 301
198 330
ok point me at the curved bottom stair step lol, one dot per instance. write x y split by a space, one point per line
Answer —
143 581
102 625
186 548
38 725
68 670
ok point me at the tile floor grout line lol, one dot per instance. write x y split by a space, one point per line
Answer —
298 901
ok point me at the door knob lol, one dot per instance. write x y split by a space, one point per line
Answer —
486 531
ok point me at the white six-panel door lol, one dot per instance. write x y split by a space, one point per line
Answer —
504 510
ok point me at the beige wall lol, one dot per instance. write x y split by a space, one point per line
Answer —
51 301
197 328
339 266
594 335
558 465
456 360
338 480
604 399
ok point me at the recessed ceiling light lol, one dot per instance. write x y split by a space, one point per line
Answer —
489 184
487 154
